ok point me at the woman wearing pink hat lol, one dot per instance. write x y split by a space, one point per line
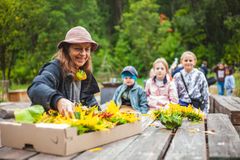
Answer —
67 78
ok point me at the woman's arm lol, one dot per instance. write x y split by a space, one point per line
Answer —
43 90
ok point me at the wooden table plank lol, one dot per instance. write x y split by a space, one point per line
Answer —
222 102
152 144
108 152
232 101
236 99
226 105
188 142
43 156
212 102
10 153
234 109
111 150
224 142
237 127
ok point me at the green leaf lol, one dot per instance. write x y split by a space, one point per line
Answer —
23 116
77 115
29 115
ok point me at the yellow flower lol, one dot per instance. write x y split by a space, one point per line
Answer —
81 75
112 108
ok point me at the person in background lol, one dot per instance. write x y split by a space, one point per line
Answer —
177 69
204 68
191 83
229 82
151 73
160 89
173 66
68 77
220 74
130 96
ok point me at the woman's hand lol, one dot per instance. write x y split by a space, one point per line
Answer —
65 107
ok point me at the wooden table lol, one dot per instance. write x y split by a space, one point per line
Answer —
214 139
228 105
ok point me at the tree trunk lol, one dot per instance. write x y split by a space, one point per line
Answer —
117 7
11 64
3 63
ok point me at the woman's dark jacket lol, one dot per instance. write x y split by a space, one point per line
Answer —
50 85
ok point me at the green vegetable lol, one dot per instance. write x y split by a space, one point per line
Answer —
118 120
77 115
29 115
171 121
193 116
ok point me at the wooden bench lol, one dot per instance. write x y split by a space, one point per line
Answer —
18 96
229 105
215 139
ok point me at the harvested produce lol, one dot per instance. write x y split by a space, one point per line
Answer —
172 115
85 119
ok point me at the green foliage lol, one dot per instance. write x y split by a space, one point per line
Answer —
16 86
22 21
144 30
25 37
142 35
232 48
237 83
205 26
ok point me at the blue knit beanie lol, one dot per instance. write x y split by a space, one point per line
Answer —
129 71
128 74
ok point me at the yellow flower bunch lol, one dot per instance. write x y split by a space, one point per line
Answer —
118 117
171 116
90 119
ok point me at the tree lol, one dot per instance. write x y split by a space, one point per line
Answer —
21 23
232 48
143 37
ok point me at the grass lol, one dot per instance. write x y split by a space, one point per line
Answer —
16 86
237 83
140 81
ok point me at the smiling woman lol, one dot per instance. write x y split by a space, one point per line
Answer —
68 77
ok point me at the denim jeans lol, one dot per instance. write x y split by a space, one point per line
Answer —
220 86
183 103
229 92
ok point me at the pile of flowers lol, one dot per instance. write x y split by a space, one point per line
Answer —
172 115
85 119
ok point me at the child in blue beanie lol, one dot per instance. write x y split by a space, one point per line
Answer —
130 96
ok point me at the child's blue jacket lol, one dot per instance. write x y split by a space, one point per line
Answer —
138 97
